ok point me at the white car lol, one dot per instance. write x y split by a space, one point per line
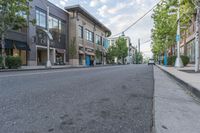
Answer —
151 62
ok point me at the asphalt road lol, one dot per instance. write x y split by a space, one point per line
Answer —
88 100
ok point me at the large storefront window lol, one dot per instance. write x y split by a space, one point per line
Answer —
191 50
40 19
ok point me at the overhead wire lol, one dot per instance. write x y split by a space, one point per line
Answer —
134 23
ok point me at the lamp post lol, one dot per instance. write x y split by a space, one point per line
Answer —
49 37
197 38
48 64
178 63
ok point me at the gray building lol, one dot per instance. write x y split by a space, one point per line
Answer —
89 36
31 43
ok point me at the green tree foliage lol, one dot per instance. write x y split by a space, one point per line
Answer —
121 49
11 18
111 54
139 57
165 25
98 53
72 48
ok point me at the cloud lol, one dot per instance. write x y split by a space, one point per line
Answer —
63 2
104 10
94 3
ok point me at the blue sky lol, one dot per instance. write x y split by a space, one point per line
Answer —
119 14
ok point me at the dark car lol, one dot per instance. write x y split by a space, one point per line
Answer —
151 62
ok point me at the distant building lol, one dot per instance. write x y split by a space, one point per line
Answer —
90 35
131 50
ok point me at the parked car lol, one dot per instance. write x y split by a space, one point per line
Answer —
151 62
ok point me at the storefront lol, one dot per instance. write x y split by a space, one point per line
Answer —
17 48
89 58
60 57
191 51
81 57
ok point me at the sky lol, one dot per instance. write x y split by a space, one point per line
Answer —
117 15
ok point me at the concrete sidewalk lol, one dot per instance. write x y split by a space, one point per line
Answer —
175 110
190 80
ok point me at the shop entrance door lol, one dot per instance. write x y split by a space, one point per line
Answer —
87 60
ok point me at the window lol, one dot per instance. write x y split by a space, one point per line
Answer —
98 40
40 18
56 25
63 28
80 31
89 36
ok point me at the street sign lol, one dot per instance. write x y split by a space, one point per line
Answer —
178 38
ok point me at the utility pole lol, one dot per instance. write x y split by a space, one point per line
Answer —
139 45
178 63
197 37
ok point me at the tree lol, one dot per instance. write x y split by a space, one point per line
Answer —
12 14
98 53
72 49
111 54
165 26
121 49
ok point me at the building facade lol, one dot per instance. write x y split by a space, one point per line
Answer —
89 37
37 39
30 44
187 45
131 50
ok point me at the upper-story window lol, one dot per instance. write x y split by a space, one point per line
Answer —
40 18
57 28
80 31
98 40
56 25
89 36
53 24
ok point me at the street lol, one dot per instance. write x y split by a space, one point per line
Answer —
117 99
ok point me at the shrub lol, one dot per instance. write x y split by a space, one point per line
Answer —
1 61
13 62
172 59
185 60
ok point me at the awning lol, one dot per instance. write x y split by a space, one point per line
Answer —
8 44
22 45
80 52
61 51
89 47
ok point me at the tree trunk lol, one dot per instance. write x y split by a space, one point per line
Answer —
3 50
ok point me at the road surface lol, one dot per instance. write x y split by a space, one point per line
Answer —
115 99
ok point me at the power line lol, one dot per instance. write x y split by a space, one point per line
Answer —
138 19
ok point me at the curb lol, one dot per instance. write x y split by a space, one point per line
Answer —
40 69
189 87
